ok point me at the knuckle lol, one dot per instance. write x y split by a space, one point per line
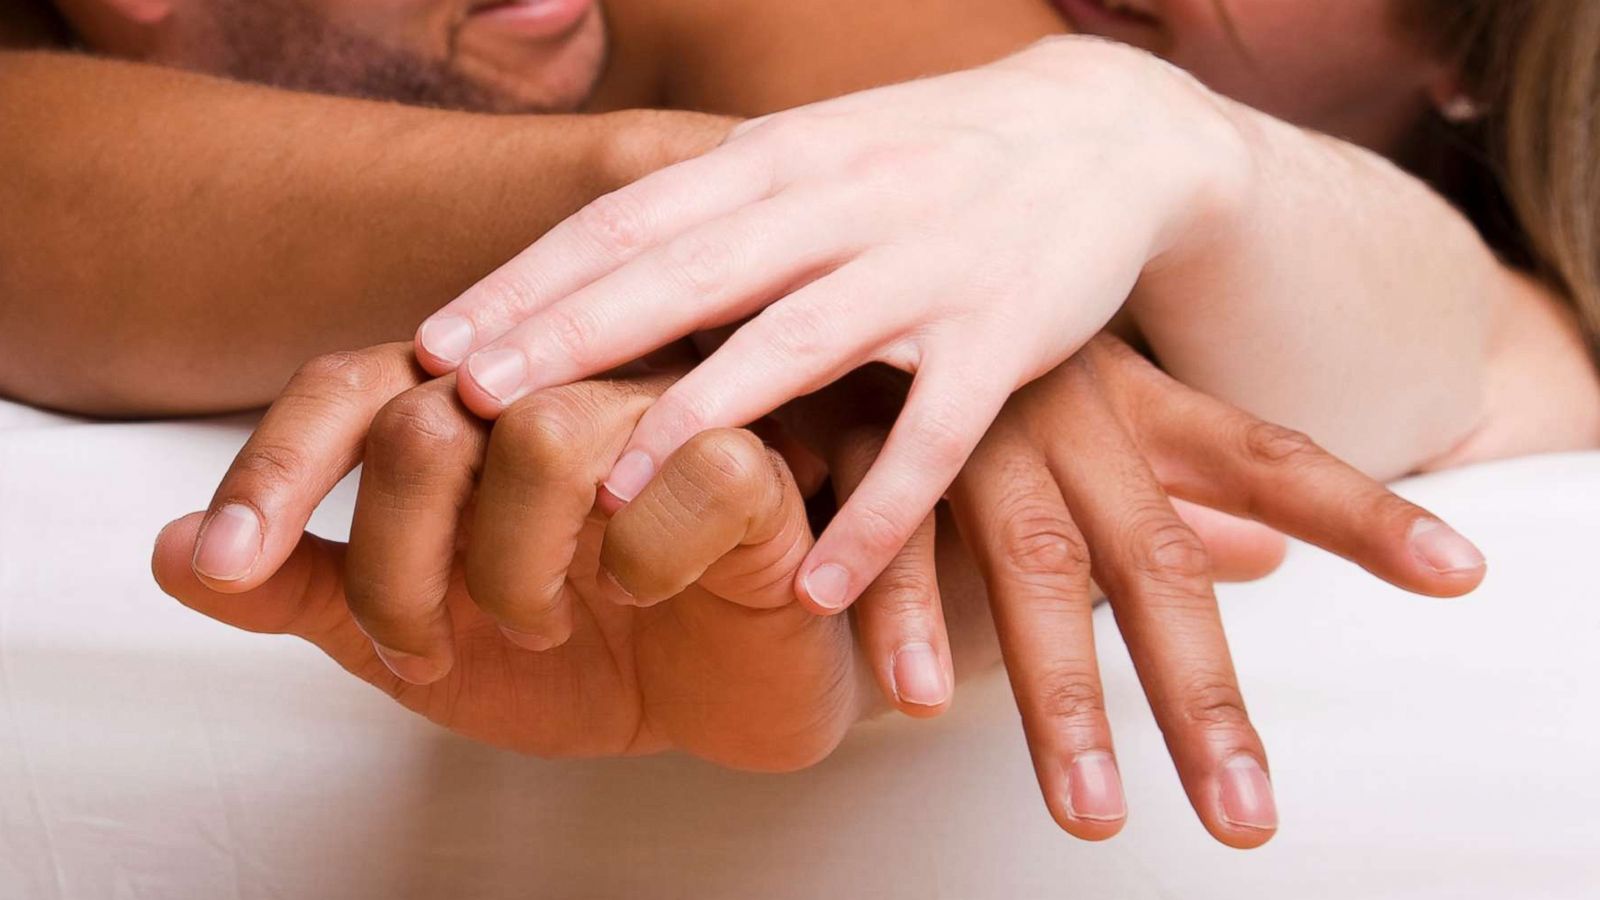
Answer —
1215 703
939 437
904 594
798 331
1168 552
573 329
346 371
617 223
1071 697
270 464
1267 444
878 529
699 264
547 430
1039 542
414 428
731 460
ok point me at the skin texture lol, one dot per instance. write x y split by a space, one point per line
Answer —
441 560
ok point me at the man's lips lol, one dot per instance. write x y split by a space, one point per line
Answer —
533 18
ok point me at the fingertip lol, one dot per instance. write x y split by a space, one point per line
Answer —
442 342
1452 565
919 681
228 548
824 589
1246 804
491 380
412 668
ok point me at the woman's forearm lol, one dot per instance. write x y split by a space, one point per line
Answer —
1345 299
176 243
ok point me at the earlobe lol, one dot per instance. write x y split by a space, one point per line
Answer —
1454 101
143 12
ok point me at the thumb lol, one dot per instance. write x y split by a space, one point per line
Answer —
304 597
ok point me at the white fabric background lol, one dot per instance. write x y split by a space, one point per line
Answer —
1421 749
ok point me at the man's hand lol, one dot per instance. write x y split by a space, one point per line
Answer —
1073 481
727 667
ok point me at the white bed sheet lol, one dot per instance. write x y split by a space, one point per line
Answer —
1421 749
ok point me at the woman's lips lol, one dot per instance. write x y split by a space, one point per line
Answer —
534 18
1109 18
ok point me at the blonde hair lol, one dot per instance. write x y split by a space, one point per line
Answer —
1533 66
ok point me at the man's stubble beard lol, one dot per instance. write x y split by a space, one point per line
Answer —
288 44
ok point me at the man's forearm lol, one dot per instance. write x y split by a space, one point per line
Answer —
176 243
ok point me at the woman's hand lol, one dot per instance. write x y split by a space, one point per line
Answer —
975 229
1074 480
728 667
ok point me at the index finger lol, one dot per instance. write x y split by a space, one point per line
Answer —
310 438
597 239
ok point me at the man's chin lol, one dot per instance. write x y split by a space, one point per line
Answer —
514 78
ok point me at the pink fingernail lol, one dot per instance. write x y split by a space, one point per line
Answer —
410 667
229 544
828 585
917 676
1442 549
630 475
538 643
500 373
1094 788
1247 800
448 338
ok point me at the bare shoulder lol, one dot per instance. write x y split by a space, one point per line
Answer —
30 24
1543 390
747 57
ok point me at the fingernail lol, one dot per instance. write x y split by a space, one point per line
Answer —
1094 788
828 585
229 544
499 372
538 643
629 476
1442 549
1247 800
616 585
918 677
448 338
409 666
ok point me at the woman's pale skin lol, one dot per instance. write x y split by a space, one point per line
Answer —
1001 233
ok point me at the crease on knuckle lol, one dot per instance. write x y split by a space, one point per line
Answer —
699 265
573 329
617 223
1038 542
903 594
877 529
1070 697
1168 552
272 464
415 430
547 432
343 371
798 332
1266 444
727 462
1214 703
938 436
